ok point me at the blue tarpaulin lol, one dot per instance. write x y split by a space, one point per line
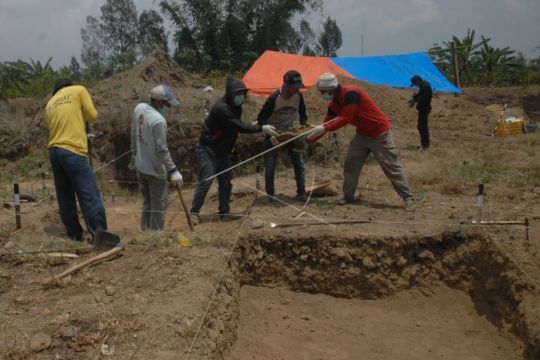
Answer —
396 70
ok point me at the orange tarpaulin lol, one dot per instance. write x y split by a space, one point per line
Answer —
266 74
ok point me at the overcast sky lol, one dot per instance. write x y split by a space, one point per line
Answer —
39 29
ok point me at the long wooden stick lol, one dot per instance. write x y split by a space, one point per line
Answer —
94 260
179 191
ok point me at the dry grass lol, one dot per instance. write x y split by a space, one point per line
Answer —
497 163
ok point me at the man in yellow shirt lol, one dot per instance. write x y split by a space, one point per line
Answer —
66 112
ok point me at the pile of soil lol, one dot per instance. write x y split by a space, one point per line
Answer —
525 98
20 125
115 98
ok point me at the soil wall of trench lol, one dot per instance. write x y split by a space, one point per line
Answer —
373 268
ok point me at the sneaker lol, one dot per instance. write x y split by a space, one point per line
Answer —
195 220
230 217
301 197
413 200
266 200
345 201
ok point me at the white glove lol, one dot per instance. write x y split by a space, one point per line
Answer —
176 179
131 165
269 130
315 132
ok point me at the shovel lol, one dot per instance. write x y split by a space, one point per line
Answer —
188 218
102 240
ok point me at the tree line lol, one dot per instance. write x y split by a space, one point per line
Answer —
225 36
475 62
207 36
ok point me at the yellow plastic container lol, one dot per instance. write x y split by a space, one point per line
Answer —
183 241
505 128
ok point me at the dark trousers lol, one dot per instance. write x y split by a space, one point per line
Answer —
423 128
210 164
75 180
270 159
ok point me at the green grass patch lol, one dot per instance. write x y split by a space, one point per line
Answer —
32 165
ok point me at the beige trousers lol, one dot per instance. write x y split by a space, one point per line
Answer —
384 151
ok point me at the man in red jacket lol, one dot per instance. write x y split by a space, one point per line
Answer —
351 105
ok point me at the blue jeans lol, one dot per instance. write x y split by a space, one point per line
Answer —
210 164
270 159
74 179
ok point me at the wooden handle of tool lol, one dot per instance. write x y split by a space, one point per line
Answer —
179 191
103 256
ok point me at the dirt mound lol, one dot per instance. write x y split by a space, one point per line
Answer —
20 125
117 96
526 98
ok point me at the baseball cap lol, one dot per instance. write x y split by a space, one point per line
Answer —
327 81
294 78
164 93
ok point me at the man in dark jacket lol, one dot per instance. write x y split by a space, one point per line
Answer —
422 99
217 139
282 109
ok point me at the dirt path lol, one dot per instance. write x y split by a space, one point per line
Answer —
279 324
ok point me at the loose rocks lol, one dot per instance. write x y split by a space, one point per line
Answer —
39 342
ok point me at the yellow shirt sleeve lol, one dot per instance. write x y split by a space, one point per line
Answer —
87 106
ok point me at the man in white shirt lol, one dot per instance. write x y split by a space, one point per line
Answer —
151 157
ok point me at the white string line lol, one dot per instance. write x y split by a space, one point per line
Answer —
112 161
535 284
327 221
239 215
266 151
286 203
128 152
299 215
130 197
216 288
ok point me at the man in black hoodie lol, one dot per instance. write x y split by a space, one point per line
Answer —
422 99
217 139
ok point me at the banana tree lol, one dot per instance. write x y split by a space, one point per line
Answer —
495 62
465 48
12 79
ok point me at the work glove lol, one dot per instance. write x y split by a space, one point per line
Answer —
269 130
315 133
176 179
131 165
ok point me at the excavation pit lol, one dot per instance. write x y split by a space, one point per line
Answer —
449 296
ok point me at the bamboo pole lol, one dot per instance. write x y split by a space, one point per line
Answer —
457 80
